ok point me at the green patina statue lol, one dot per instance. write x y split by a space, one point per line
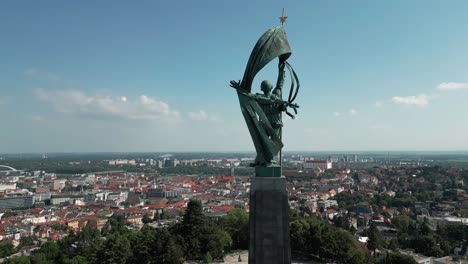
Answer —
263 112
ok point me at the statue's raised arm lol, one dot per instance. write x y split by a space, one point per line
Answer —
278 91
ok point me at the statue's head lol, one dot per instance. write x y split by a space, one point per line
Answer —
266 86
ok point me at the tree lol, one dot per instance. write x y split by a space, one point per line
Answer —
146 219
375 239
343 221
115 224
300 235
198 235
87 243
337 244
172 254
6 249
26 241
49 252
426 245
318 229
40 258
313 236
19 260
452 232
393 245
164 215
403 223
215 242
193 227
116 250
76 260
141 243
425 229
236 224
397 258
207 258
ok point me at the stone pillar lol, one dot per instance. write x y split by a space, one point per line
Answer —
269 221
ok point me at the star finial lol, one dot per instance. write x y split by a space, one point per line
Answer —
283 18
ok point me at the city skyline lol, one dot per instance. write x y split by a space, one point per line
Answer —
144 77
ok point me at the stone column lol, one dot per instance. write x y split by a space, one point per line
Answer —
269 221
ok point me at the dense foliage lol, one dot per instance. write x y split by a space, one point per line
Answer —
236 224
62 166
314 238
6 249
198 236
194 238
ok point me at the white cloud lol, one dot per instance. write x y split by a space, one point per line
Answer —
42 73
98 106
198 116
452 86
351 111
378 104
419 100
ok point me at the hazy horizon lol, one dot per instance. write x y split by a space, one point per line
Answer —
358 152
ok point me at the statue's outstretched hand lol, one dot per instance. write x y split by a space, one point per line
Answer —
235 84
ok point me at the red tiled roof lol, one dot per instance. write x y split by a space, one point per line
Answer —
223 208
156 206
179 204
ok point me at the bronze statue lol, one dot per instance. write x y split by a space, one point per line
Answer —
263 112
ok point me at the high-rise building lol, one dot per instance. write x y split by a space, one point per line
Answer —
171 162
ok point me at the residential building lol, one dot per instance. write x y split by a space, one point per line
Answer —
322 164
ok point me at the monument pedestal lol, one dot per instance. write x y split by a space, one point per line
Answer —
274 170
269 221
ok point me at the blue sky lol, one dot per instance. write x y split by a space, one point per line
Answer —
154 75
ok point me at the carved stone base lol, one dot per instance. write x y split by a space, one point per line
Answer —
269 221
